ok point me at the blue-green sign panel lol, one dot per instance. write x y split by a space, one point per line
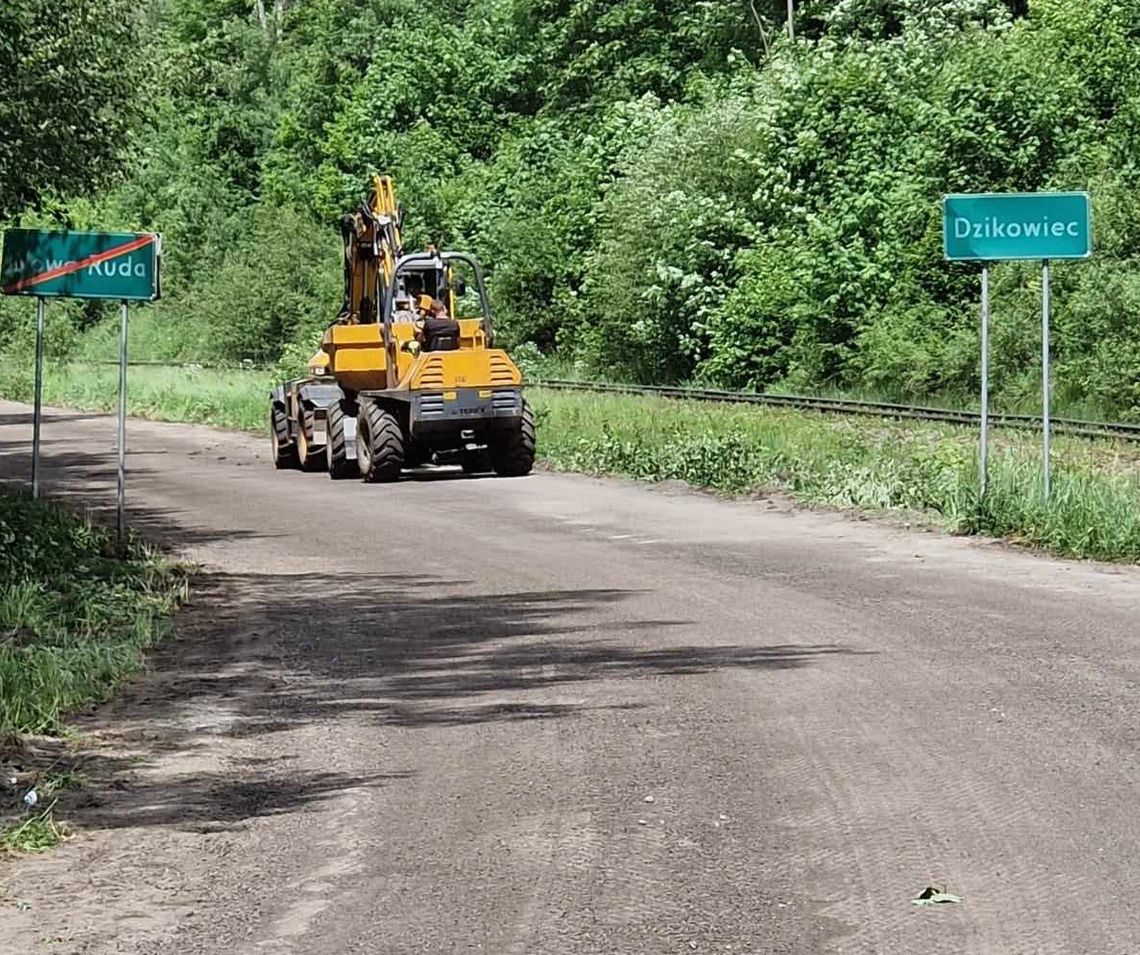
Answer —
119 265
1038 225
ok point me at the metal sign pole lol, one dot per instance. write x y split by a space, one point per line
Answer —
791 20
122 440
983 462
1045 373
37 411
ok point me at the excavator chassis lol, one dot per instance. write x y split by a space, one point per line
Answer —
443 427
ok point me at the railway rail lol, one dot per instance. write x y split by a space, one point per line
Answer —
1118 430
844 406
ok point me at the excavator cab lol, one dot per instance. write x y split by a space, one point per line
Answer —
451 316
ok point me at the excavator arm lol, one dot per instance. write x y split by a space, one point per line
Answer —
372 245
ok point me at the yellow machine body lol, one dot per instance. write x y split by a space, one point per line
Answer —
357 352
418 378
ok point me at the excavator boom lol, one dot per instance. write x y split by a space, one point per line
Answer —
372 245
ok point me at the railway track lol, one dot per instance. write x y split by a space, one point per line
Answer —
843 406
840 406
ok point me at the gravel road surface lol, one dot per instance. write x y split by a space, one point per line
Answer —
565 715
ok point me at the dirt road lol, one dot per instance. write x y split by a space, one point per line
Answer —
560 715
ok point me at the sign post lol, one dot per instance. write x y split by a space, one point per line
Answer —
987 228
97 265
37 407
121 443
983 451
1046 463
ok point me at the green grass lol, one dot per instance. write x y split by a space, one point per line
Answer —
928 470
228 399
74 618
74 622
37 832
925 469
38 829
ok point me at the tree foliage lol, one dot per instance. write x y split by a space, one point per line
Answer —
67 75
661 190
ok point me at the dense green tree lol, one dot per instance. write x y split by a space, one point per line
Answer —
661 190
67 83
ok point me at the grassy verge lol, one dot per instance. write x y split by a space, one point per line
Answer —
74 622
926 469
228 399
922 468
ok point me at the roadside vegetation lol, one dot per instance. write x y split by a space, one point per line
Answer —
227 399
662 191
926 470
922 469
74 621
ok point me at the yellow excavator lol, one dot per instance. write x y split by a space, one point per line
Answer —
406 375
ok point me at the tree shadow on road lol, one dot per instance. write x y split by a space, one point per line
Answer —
411 651
204 802
275 653
260 654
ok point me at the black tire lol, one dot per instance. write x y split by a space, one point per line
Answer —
339 465
310 460
379 444
284 450
512 452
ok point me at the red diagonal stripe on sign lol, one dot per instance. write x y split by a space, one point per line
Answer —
97 259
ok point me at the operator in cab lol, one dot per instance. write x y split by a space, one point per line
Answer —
436 330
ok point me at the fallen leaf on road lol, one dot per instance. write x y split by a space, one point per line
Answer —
935 896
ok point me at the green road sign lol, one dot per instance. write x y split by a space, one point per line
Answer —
1037 225
122 265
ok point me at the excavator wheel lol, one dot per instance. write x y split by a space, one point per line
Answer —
310 460
379 443
284 450
340 467
512 452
